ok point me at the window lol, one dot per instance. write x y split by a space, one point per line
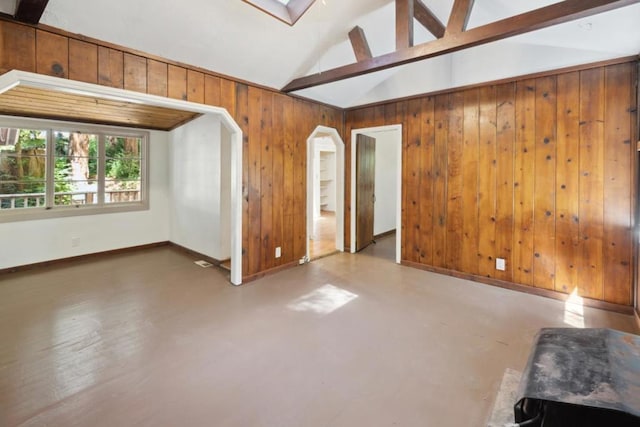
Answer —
287 11
60 169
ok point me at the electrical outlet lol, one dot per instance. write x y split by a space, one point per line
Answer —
75 242
500 264
278 252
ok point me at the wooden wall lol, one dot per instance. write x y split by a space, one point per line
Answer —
275 126
539 172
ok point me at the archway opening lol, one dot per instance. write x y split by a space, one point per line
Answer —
325 191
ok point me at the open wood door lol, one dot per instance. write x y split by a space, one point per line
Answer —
365 190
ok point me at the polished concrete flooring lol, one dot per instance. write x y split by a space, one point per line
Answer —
151 339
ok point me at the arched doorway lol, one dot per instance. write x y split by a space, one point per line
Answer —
331 136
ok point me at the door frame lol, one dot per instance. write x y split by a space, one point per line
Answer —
354 141
318 132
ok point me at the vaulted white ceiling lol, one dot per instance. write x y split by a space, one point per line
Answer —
233 38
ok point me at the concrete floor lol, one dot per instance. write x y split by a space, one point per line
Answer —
151 339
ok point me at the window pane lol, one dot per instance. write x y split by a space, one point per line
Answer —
76 168
123 164
22 168
75 193
119 191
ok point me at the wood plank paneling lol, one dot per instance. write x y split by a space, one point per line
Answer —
177 82
241 114
618 155
487 161
266 184
635 134
426 180
195 86
277 147
505 137
157 77
523 182
288 255
538 172
135 73
255 166
568 242
52 54
212 92
455 182
83 61
17 47
304 118
590 273
110 67
42 103
545 185
411 181
441 135
471 136
228 96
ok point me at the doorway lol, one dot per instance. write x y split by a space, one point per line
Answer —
387 184
325 193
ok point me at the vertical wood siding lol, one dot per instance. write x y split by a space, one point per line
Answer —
275 127
539 172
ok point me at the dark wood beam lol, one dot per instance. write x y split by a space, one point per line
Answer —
30 11
359 44
544 17
404 24
428 20
460 15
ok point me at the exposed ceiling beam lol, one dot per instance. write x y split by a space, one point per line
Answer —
460 15
404 24
359 44
30 11
554 14
428 20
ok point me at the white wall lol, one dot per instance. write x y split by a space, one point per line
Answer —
28 242
225 194
386 180
196 178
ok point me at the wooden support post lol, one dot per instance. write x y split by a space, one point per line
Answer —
404 24
428 20
459 16
359 44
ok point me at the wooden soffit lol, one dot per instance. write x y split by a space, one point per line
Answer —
456 36
86 106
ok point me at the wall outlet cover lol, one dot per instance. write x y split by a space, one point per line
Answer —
500 264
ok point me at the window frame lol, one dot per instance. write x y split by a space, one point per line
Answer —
50 210
289 13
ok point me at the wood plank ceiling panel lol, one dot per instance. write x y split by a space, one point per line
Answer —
49 104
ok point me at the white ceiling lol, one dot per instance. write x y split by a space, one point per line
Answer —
234 38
